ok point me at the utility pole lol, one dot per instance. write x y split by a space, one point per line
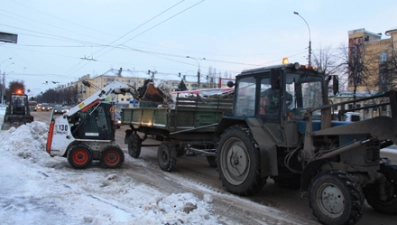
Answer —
198 69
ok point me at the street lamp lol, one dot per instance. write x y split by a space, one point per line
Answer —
198 69
4 61
310 39
4 80
8 66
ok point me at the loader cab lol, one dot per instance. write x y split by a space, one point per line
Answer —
94 123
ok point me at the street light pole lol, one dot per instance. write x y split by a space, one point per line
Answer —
3 62
198 69
4 81
310 39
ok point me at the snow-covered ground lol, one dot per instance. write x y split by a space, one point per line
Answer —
39 189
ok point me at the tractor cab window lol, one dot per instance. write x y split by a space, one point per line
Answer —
19 100
245 99
306 92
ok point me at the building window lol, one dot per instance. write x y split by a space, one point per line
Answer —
383 57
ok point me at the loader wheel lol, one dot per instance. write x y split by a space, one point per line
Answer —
211 161
239 162
112 157
166 156
383 196
80 156
336 198
134 145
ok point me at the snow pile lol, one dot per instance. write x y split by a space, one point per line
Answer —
40 189
27 141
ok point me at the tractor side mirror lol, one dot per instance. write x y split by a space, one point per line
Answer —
275 78
335 84
230 84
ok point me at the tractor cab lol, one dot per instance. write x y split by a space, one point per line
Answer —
278 98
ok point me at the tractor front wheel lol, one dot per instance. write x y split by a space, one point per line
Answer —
336 198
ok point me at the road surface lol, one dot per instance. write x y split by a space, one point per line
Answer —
197 175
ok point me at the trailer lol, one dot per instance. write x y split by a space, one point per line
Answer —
186 127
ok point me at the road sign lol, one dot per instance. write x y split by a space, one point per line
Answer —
8 37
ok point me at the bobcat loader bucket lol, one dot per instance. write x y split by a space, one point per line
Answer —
149 93
15 121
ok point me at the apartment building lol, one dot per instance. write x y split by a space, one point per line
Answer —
368 55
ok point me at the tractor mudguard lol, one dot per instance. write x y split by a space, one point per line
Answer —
267 147
309 172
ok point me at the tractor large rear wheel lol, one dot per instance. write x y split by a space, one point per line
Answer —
336 198
383 196
238 162
80 156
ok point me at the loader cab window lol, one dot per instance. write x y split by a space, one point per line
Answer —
96 123
245 98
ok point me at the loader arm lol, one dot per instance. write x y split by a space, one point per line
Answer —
115 87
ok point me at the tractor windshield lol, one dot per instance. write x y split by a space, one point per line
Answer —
307 91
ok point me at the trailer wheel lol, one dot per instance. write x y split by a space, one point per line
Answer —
383 197
211 160
134 145
80 156
166 156
336 198
112 157
239 162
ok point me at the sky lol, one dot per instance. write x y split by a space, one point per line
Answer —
60 41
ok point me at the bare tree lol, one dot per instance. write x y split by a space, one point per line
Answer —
388 69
